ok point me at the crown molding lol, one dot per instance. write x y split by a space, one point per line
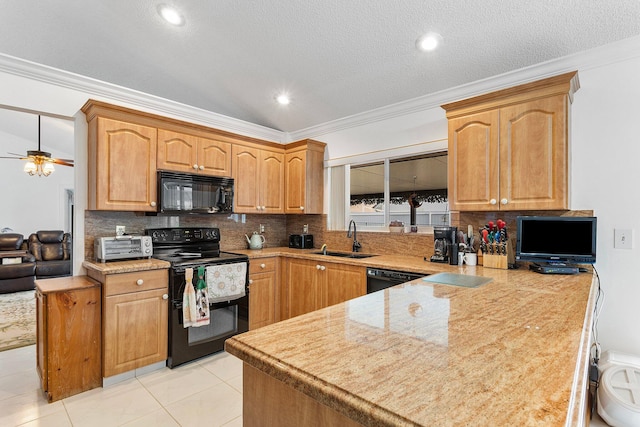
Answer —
153 104
590 59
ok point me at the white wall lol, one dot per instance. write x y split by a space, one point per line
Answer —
605 150
605 177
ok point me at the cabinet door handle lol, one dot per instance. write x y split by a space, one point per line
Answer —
323 268
195 166
301 208
493 201
201 167
250 281
165 296
139 282
318 266
153 204
263 265
504 201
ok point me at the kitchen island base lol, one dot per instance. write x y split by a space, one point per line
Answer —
270 402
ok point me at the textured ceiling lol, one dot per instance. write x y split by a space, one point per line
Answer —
336 58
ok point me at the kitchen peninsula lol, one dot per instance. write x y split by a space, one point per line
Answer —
513 351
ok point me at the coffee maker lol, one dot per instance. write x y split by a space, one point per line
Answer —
445 247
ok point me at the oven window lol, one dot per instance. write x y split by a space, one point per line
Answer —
223 323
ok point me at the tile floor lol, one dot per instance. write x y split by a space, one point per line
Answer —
206 392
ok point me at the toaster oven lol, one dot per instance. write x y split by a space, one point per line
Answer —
122 247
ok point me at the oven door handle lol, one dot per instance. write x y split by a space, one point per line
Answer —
177 304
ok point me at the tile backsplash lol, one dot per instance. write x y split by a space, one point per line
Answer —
233 229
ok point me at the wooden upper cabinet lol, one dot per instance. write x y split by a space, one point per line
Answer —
304 177
509 150
534 155
259 179
182 152
122 166
214 157
127 148
271 181
473 161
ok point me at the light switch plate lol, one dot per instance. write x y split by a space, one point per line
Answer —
623 238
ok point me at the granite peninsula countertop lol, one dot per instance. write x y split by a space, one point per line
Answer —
511 352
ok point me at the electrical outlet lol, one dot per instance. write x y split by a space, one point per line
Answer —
262 228
120 230
623 238
305 229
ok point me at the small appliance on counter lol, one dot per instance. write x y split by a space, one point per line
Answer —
301 241
445 247
256 241
122 247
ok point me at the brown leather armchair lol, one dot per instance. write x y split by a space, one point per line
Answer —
15 277
52 252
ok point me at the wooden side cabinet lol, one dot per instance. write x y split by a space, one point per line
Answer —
263 281
68 329
134 320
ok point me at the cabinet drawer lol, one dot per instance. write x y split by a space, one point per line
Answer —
122 283
262 265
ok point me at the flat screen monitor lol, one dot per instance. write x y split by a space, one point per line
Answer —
556 239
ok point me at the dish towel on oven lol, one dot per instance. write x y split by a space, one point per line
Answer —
226 282
189 313
202 299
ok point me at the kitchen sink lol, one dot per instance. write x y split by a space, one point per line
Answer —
345 254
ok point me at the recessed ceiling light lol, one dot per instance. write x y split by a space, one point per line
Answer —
170 14
283 99
428 42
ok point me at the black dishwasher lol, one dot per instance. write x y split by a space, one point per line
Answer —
379 279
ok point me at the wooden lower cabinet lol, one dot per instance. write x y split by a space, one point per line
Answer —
270 402
263 280
68 316
344 282
135 319
310 285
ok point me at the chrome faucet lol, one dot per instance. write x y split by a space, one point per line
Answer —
324 249
356 244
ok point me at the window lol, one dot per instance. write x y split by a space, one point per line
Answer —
381 192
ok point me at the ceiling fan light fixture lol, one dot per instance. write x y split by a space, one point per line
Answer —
428 42
47 169
171 15
39 166
30 168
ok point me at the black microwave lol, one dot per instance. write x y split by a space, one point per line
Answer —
188 193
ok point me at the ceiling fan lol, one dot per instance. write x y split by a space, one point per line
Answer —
39 162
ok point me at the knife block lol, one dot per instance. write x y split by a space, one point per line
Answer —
497 261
